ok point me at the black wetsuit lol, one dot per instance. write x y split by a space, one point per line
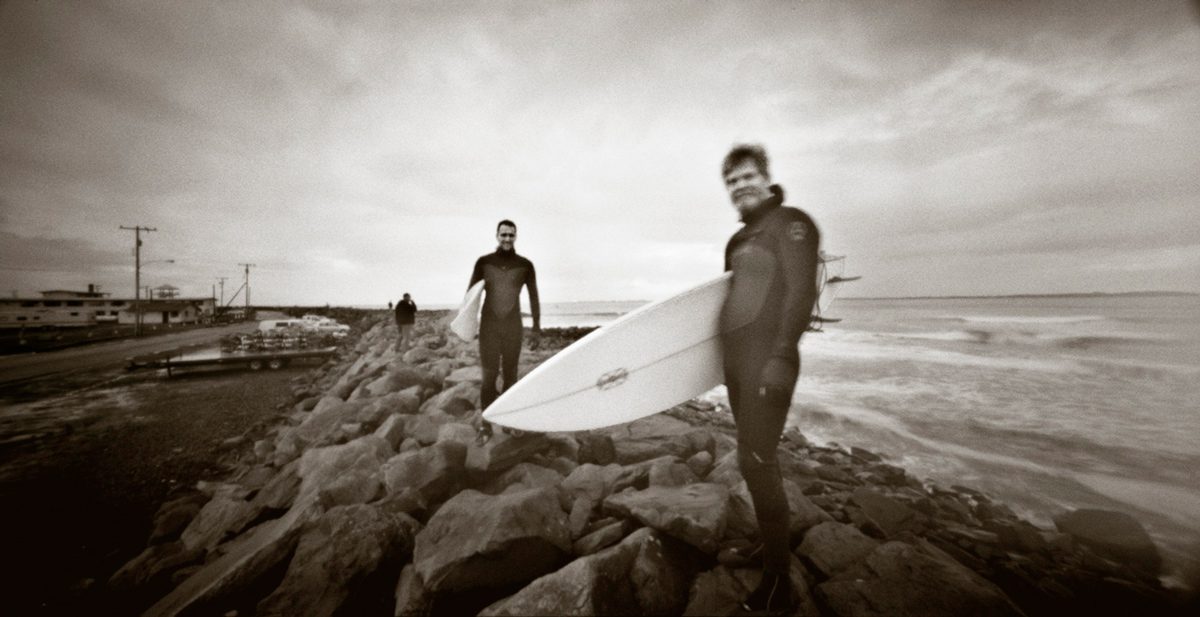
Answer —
500 329
774 260
406 312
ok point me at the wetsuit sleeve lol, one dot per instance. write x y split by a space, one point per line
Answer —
728 245
477 274
535 308
797 244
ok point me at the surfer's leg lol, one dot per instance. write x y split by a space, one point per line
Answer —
510 352
489 362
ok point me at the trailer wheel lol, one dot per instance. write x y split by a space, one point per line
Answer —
276 364
256 365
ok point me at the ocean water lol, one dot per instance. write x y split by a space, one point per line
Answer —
1047 403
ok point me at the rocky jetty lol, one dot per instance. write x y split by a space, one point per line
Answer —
371 497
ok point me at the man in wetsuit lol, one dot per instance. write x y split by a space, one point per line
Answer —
406 315
504 272
774 260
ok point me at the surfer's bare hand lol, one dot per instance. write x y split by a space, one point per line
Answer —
535 340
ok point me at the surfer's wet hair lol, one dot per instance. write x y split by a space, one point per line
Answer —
746 152
505 222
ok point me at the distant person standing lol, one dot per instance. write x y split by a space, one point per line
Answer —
774 258
503 272
406 315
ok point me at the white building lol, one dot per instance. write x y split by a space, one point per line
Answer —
67 309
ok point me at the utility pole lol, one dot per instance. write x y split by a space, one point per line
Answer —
247 285
222 280
137 274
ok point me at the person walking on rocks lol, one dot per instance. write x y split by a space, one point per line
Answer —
504 272
406 315
774 258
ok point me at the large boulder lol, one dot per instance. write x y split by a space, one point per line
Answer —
340 550
832 547
523 476
433 473
222 516
646 574
886 514
1112 534
503 451
696 513
459 400
652 437
319 467
720 591
476 541
899 579
592 481
245 563
151 570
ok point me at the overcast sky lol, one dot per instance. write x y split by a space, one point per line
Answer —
353 151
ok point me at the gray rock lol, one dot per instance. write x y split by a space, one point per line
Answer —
354 487
174 516
220 517
700 463
392 431
671 472
593 481
456 432
832 547
456 401
243 565
281 491
320 466
523 476
696 513
434 473
154 566
411 596
662 573
467 374
603 537
503 451
478 541
596 448
887 514
898 579
342 548
1112 534
646 574
598 584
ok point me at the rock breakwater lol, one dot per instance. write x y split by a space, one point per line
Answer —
372 498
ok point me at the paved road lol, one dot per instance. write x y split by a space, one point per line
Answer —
25 368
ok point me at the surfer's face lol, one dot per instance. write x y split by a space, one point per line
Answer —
505 237
748 187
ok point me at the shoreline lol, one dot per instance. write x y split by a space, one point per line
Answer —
431 399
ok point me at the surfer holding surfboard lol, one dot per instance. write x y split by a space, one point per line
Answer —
774 259
503 273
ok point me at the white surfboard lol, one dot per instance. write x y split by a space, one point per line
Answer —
648 360
466 323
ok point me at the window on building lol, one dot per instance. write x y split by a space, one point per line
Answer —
118 303
74 303
53 303
174 313
75 314
29 303
22 318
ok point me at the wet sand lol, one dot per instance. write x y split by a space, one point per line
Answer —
85 463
